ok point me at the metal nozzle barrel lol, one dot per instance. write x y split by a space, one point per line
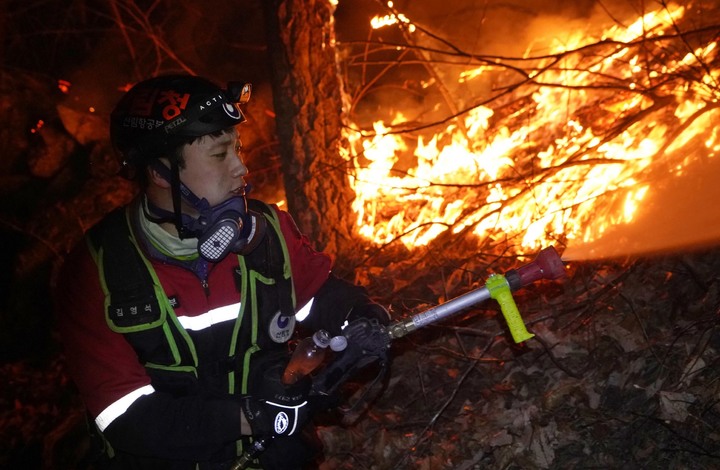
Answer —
547 265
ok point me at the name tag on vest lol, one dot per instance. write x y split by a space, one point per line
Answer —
135 312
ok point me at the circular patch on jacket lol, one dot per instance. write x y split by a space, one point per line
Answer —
281 328
281 423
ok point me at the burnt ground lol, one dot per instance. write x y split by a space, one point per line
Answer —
622 373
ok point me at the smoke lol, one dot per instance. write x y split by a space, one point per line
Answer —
512 28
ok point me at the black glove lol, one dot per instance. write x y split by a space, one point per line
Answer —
367 338
367 342
276 409
338 302
368 311
268 418
366 333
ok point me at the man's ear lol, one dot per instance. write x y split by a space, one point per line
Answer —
156 178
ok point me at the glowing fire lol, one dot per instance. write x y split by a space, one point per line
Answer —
556 167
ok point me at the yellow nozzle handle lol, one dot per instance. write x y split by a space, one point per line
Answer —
499 290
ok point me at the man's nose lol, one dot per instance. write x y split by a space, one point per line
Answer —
239 169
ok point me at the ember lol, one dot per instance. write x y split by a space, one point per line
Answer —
64 86
569 148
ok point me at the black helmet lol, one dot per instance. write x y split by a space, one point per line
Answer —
166 111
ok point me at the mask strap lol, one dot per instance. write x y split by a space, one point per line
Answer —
173 177
179 191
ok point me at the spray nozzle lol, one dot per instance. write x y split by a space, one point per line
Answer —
547 265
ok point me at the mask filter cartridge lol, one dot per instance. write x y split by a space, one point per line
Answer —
217 243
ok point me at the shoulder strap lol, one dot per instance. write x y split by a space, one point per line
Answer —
131 300
271 257
136 306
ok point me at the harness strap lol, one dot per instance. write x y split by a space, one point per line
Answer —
135 303
132 298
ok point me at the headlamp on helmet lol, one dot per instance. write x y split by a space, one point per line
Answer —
161 113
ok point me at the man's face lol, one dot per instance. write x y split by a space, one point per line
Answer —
214 169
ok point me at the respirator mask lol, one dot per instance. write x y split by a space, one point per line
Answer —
228 227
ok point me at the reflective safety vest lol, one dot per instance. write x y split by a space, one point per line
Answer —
137 307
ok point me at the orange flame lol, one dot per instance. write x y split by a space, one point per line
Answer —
564 173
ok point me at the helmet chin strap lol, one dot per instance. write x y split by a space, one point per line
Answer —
175 187
221 229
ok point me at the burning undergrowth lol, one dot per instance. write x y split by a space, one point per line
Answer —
568 143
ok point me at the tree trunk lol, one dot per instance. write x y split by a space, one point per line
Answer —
308 104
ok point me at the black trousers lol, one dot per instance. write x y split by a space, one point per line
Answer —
300 452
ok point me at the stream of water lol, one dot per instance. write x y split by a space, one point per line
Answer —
679 213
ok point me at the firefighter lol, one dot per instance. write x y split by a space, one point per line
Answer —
176 311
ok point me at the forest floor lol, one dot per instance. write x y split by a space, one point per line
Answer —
621 373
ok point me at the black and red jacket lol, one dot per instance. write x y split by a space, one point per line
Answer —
169 392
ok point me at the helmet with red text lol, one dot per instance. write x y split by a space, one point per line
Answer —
164 112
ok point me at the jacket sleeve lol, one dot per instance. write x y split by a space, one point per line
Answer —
339 302
186 428
334 300
115 387
310 268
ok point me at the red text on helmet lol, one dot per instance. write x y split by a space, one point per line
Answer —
176 103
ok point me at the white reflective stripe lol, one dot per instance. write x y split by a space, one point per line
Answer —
109 414
305 311
213 317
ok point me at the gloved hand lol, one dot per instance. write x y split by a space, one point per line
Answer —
367 342
276 409
268 418
365 331
369 311
367 338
